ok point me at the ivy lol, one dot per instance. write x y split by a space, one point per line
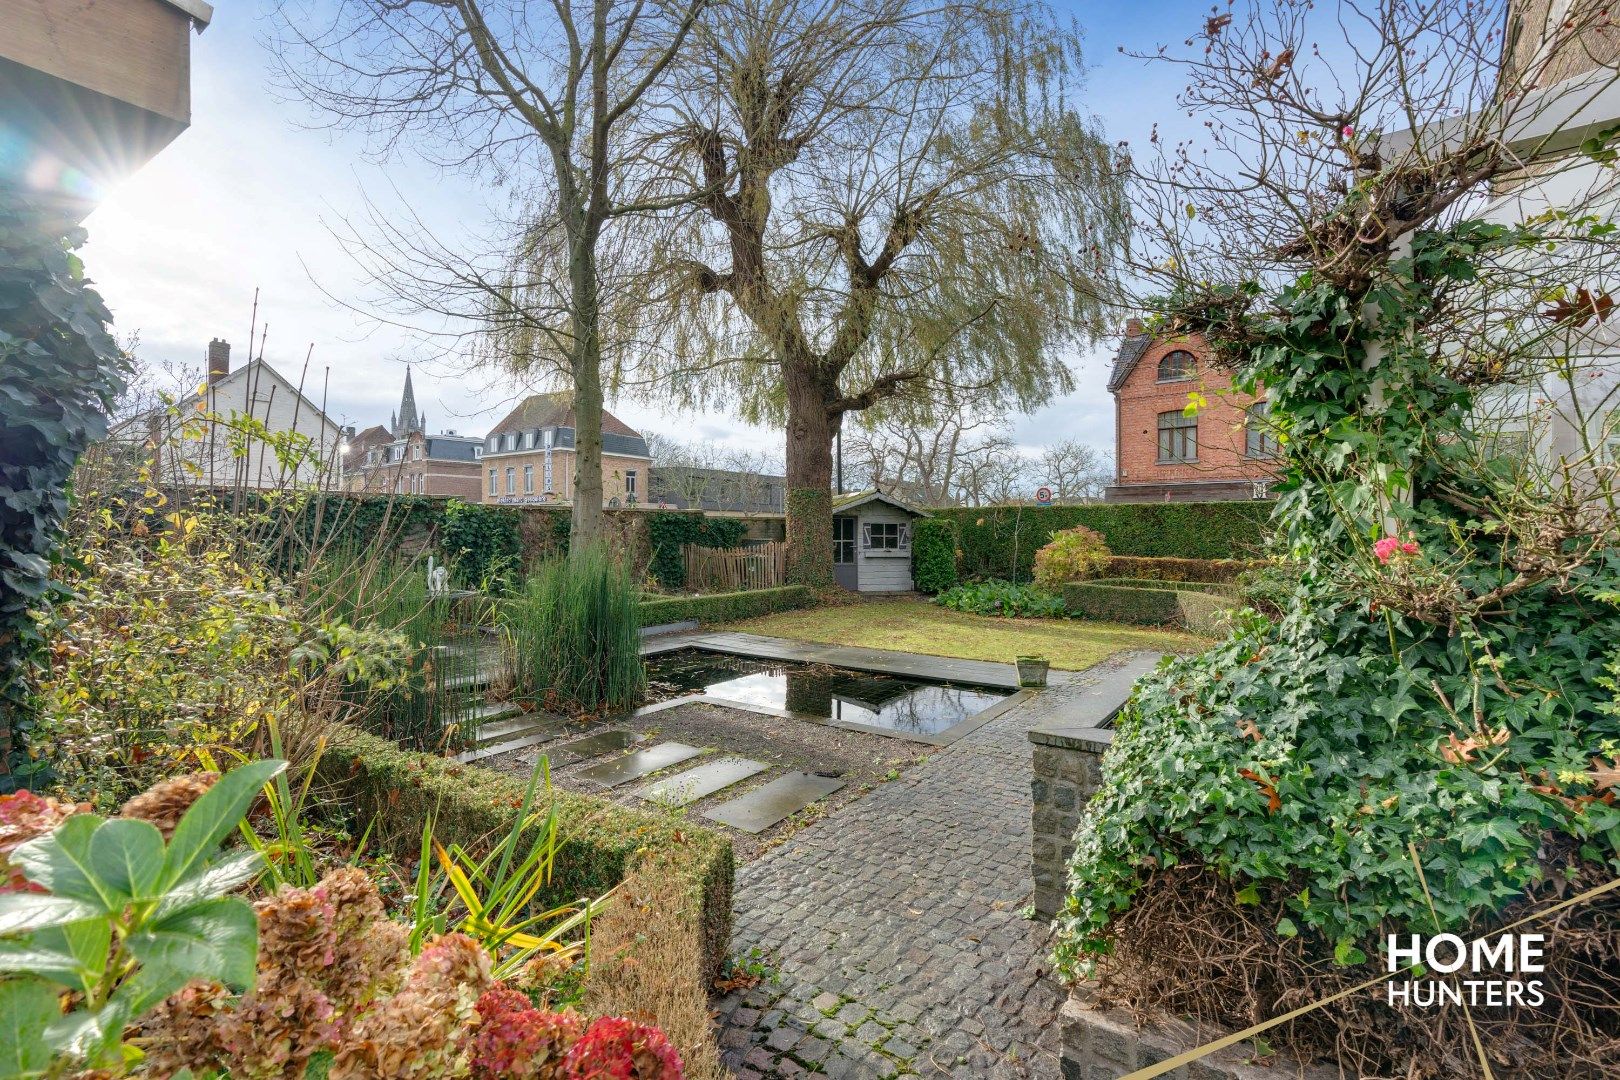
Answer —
60 371
668 532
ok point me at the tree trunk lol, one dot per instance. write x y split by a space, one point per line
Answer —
586 519
809 475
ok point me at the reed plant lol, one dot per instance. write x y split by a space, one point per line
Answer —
574 634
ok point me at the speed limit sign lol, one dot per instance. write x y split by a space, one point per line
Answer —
1043 496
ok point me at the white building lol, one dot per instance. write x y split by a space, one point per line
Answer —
247 428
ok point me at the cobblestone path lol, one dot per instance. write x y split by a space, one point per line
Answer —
894 928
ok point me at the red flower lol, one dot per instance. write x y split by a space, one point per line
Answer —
515 1039
618 1049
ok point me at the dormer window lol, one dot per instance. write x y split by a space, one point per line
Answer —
550 433
1177 364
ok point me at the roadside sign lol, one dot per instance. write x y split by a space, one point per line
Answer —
1043 496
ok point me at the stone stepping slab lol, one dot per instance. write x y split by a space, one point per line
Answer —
535 732
485 714
694 784
603 742
500 727
635 765
769 803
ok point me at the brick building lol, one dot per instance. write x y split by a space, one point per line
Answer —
403 459
529 456
1224 452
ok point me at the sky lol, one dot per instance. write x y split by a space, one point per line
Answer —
249 197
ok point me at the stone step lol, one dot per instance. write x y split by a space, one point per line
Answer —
603 742
509 726
635 765
701 782
769 803
535 736
484 715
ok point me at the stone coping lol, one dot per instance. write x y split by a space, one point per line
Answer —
1086 720
879 661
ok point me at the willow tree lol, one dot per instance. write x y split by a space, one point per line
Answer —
545 98
897 200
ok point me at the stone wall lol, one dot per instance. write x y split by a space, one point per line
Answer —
1068 771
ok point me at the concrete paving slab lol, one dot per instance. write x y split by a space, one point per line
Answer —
763 807
603 742
703 781
883 661
638 764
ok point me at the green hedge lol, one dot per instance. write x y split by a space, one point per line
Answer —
933 554
1201 608
1221 570
668 532
1215 588
725 607
1001 541
602 843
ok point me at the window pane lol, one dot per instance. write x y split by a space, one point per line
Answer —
1178 364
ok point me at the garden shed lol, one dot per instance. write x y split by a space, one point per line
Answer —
872 541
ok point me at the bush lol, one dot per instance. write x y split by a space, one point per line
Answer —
1003 598
1269 587
1001 541
1072 554
725 607
574 632
1215 570
1193 606
933 554
668 532
661 940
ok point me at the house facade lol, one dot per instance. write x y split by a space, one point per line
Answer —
249 427
1225 450
529 456
403 459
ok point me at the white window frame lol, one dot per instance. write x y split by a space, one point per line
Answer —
511 480
528 479
494 483
630 493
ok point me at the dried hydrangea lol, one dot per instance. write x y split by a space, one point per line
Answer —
614 1048
164 804
183 1031
517 1040
24 816
421 1031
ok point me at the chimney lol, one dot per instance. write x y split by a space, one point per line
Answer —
1133 327
219 360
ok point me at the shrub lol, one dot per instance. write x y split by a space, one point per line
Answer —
1199 607
1072 554
1003 598
574 634
933 554
1269 587
1001 541
725 607
1215 570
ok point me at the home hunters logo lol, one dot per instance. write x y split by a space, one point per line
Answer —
1495 968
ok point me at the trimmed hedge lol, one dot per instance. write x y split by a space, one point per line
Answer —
1001 541
1215 588
933 554
1163 569
725 607
1201 608
676 878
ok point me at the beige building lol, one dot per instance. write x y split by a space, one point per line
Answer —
529 456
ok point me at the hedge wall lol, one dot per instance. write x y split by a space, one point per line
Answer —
1201 608
1001 541
675 877
1219 570
725 607
933 554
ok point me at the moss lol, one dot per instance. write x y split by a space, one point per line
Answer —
725 607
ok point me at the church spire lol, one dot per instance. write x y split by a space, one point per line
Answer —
408 421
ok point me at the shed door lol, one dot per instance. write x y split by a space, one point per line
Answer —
846 571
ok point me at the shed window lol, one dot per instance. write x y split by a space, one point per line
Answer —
1177 364
885 536
1178 437
843 540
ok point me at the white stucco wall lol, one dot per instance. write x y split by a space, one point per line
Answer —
223 457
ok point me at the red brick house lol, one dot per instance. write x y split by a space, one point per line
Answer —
1161 454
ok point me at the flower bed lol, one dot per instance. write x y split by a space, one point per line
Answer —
661 939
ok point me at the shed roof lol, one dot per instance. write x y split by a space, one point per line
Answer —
847 502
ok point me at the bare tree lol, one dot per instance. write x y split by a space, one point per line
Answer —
899 200
545 97
1075 471
704 474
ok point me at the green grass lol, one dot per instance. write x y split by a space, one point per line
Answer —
918 627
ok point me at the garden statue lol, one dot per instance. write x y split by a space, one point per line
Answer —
438 578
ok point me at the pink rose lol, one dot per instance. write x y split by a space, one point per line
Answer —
1386 548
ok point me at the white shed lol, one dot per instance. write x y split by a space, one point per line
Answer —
872 541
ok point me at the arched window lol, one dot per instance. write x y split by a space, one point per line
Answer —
1260 438
1177 364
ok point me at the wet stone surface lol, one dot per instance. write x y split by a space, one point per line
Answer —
894 929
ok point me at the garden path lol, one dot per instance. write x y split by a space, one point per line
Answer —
895 929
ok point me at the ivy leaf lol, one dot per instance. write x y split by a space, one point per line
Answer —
1248 895
1286 927
1345 953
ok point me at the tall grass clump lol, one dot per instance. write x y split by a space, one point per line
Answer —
574 632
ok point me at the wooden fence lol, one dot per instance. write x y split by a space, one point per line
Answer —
758 566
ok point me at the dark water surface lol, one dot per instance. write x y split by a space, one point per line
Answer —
905 706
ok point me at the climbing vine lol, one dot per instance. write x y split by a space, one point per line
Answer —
59 373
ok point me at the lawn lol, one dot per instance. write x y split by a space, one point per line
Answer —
915 626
